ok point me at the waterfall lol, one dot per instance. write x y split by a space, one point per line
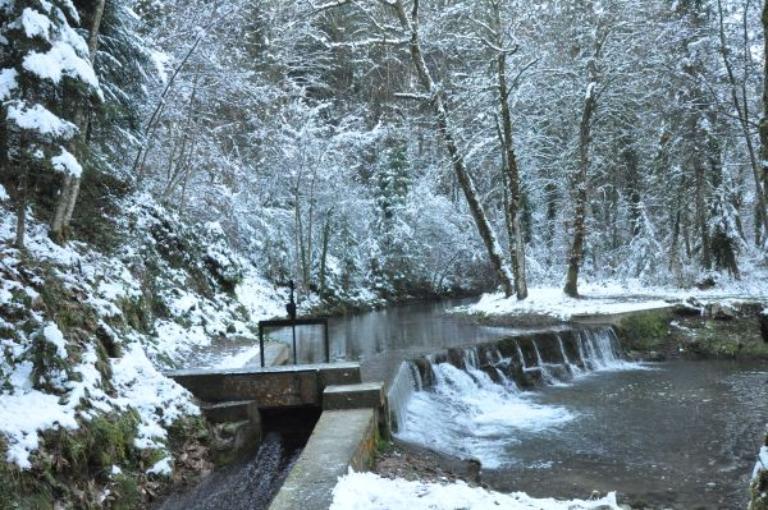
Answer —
471 401
407 381
546 373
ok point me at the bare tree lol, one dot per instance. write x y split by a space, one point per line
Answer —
581 178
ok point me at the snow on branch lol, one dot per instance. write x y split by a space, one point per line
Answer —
413 96
329 5
67 164
369 42
38 118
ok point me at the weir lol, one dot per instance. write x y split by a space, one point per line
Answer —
507 366
352 413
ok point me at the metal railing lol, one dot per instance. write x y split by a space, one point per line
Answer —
292 323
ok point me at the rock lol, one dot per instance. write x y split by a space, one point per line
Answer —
763 318
706 283
720 312
473 468
656 356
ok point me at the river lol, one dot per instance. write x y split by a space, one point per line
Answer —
680 434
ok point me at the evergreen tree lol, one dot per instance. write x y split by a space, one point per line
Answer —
48 82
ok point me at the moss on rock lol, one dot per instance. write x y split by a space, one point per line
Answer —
645 331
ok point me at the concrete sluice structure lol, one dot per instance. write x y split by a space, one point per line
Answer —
249 402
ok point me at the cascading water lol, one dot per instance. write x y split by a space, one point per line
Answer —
406 382
468 402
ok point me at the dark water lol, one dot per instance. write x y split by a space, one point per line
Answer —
246 485
683 435
252 482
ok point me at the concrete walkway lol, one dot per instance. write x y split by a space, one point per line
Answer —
340 440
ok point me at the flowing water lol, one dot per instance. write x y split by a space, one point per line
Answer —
563 415
553 413
246 485
381 339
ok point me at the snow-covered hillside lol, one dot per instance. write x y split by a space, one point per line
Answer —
84 337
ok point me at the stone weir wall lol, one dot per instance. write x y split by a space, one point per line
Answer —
520 362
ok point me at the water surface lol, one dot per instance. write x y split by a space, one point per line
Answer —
682 436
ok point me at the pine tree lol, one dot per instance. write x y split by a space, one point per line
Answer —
44 61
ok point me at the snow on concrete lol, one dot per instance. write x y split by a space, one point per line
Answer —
368 491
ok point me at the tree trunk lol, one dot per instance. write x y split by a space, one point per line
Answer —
701 214
65 206
21 211
517 241
764 121
580 184
410 24
742 111
324 252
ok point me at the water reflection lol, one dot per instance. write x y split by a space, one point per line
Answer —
380 339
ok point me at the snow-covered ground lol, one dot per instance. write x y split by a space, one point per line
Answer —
74 390
611 298
368 491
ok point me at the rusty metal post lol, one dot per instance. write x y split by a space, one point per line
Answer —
261 345
327 342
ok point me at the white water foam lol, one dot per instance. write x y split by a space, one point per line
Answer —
469 415
466 413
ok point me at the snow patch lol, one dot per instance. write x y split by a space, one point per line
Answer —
38 118
54 336
551 301
35 24
7 82
162 467
368 491
158 399
67 164
61 60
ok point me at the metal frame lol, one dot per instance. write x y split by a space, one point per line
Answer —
292 323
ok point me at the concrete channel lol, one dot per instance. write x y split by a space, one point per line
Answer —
343 438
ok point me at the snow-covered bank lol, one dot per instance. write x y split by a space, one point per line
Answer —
368 491
84 337
611 298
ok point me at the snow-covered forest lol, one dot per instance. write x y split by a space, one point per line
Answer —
168 166
622 135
